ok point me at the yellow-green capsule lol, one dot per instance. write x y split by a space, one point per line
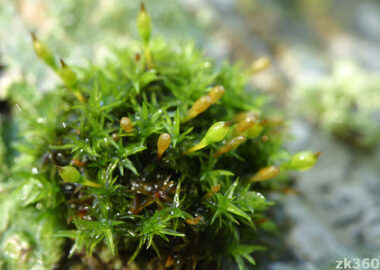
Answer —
67 75
245 123
126 124
273 121
144 24
216 93
240 116
71 175
44 53
254 131
215 133
70 79
198 107
302 161
259 65
163 143
231 144
265 174
243 115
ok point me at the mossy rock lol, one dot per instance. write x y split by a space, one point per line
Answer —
155 157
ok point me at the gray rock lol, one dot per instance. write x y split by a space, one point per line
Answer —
337 213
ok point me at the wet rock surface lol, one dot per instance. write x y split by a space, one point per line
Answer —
336 213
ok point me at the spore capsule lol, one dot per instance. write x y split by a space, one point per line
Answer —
126 124
163 143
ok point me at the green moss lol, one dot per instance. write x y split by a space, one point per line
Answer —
188 208
345 104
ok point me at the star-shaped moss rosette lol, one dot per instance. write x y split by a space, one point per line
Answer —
156 155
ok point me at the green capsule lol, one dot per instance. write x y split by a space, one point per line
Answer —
70 79
254 131
67 75
71 175
215 133
144 25
44 53
301 161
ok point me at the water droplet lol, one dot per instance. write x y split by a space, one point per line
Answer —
260 195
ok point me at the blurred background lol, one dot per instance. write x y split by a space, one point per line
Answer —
325 75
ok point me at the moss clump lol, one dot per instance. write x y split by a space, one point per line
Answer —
345 104
151 156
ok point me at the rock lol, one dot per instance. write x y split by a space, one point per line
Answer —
336 214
